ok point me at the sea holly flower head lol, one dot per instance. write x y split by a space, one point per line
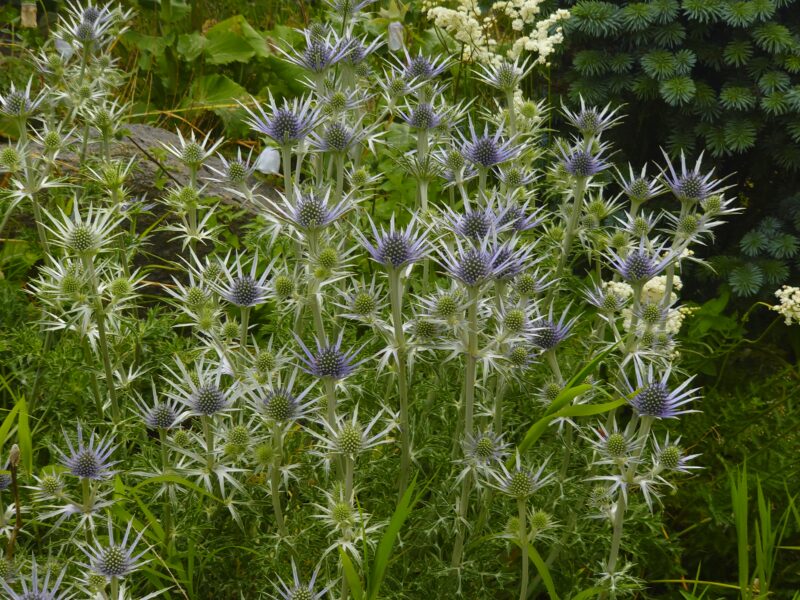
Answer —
638 187
583 159
691 184
640 264
395 248
38 589
296 589
422 68
422 116
487 150
310 211
89 459
329 360
505 75
520 482
200 391
591 121
288 123
672 457
484 450
348 437
17 103
115 559
473 265
549 333
240 287
322 51
83 234
655 398
281 404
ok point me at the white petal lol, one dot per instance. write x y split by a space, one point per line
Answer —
269 161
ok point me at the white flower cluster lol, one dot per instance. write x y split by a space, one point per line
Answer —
653 292
469 24
789 306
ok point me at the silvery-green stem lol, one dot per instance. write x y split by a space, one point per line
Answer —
245 325
396 295
100 318
637 300
208 432
313 288
523 544
578 191
286 159
330 393
463 506
619 510
499 395
167 516
552 361
88 503
482 182
114 588
670 279
275 478
339 162
472 359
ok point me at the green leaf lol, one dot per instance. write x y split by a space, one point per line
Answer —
677 90
587 593
218 94
191 45
544 572
233 40
356 589
384 551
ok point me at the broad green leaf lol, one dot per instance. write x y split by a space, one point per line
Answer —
24 436
544 572
234 40
191 45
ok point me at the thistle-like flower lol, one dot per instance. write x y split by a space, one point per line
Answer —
654 397
320 53
640 265
549 333
311 211
671 457
88 459
638 187
691 184
423 68
395 248
582 159
38 590
485 150
483 450
18 103
348 437
520 483
115 560
329 360
592 121
160 414
422 116
298 590
473 265
83 235
280 403
200 391
288 123
506 75
241 288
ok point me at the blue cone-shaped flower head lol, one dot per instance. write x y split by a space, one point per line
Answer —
484 449
520 482
638 187
281 404
422 116
201 392
485 150
329 360
474 223
583 159
161 414
18 102
288 123
320 53
39 589
549 333
473 265
509 260
395 248
691 184
421 67
640 264
592 121
88 459
311 210
115 559
240 287
654 397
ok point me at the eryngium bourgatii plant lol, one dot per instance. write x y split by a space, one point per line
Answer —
510 332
